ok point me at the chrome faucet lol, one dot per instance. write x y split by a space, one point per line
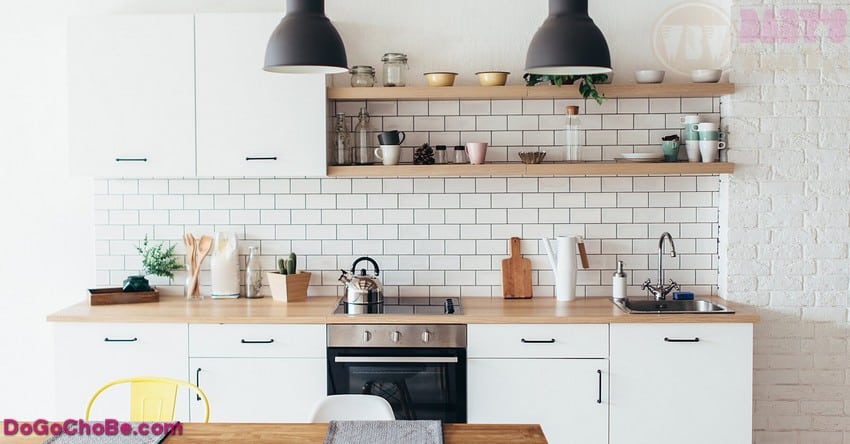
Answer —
659 290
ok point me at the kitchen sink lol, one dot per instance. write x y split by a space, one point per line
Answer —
644 306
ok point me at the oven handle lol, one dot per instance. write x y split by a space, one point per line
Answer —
397 359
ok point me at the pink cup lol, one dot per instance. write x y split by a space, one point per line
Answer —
477 152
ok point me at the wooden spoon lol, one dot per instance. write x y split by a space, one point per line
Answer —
189 242
204 246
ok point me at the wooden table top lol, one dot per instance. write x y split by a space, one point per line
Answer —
198 433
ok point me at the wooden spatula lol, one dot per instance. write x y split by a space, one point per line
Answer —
516 274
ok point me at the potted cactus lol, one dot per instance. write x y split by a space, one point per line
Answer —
287 283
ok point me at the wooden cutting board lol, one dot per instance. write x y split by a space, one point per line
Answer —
516 274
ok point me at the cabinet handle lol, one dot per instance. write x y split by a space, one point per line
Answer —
198 382
131 159
249 159
120 340
599 399
538 341
245 341
681 340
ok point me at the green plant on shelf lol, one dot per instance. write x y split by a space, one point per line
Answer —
288 266
158 260
587 85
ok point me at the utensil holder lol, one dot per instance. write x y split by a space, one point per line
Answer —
289 287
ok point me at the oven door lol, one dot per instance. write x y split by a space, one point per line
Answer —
419 383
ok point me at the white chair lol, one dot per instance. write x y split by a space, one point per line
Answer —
352 408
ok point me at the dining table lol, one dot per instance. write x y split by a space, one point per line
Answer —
309 433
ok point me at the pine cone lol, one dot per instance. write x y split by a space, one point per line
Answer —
424 155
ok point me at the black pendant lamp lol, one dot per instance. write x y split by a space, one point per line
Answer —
305 42
568 43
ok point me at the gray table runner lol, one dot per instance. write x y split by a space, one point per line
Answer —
384 432
150 438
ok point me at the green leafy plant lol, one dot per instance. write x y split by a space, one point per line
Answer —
587 87
158 260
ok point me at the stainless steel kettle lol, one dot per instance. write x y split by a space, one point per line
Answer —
364 292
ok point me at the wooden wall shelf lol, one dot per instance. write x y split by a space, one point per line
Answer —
544 169
612 91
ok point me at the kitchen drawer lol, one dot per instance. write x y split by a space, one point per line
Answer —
257 341
109 339
538 341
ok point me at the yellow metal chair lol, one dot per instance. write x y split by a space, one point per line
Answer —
152 398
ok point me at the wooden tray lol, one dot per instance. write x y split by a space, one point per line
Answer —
111 296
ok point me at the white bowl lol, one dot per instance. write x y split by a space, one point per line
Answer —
649 76
706 75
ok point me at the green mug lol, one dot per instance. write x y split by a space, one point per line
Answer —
709 135
671 150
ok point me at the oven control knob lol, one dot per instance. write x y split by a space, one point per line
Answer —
426 336
367 336
395 336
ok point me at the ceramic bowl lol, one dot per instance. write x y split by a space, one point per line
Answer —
706 75
440 78
492 78
532 156
649 76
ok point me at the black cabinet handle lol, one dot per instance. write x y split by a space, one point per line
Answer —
245 341
681 340
131 159
198 382
249 159
599 399
120 340
538 341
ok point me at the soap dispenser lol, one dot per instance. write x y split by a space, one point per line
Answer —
618 282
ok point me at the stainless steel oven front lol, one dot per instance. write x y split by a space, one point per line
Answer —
419 369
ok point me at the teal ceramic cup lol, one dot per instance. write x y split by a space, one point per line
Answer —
671 150
709 135
691 132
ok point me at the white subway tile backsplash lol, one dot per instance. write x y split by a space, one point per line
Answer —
444 107
506 107
665 105
633 106
400 123
474 107
274 186
522 123
429 124
460 123
537 107
617 121
491 123
412 108
506 138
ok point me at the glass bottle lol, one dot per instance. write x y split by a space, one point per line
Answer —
395 67
460 154
573 141
362 152
362 76
253 275
440 154
342 149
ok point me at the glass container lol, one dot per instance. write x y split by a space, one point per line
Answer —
253 275
573 141
341 145
362 150
440 154
362 76
460 154
395 68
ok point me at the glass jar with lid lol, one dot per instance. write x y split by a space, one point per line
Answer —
362 76
395 67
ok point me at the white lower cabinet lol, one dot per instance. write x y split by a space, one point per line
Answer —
88 355
676 383
258 373
552 375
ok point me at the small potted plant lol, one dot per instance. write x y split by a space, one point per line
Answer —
157 261
288 284
587 85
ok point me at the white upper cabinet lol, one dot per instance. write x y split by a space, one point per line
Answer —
252 122
131 95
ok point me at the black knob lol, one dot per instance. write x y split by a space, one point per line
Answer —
448 306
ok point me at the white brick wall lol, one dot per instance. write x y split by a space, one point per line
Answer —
786 222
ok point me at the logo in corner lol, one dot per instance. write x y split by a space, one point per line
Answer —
692 36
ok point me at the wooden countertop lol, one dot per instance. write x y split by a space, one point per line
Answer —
197 433
318 310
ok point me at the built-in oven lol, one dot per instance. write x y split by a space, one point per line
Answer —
419 369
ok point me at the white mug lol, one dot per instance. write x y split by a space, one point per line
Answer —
709 149
689 119
692 147
389 154
707 126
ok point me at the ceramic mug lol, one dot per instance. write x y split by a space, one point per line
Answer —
671 150
689 119
477 152
390 138
707 126
692 147
388 154
709 149
709 135
689 123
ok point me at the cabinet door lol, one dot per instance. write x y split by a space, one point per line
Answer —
259 389
667 387
131 89
562 395
252 122
92 354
